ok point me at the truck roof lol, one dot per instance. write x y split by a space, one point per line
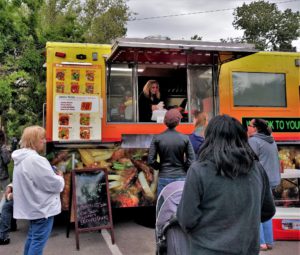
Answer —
162 51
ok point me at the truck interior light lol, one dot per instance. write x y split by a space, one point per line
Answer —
81 56
60 54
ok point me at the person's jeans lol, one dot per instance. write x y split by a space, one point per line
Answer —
38 234
5 219
163 182
266 232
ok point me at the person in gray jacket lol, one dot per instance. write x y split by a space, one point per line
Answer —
264 146
226 193
36 189
175 152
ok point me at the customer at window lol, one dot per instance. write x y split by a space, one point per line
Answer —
200 123
263 144
226 193
149 100
175 152
36 189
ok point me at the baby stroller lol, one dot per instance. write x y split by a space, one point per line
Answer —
170 239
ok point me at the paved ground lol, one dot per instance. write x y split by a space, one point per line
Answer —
131 239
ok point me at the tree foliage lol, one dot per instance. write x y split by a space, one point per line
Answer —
266 26
25 27
196 37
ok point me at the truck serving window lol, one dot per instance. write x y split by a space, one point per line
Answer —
172 82
201 89
259 89
120 94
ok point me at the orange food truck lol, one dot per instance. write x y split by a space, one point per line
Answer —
93 117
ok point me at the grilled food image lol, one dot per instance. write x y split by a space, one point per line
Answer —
75 88
60 88
63 119
63 133
90 75
75 75
85 133
60 75
84 119
89 88
131 181
86 106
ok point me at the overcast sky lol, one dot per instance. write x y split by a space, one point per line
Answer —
214 23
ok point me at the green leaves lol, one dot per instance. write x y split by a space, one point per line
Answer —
266 26
25 27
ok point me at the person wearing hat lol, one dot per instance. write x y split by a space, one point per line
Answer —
174 149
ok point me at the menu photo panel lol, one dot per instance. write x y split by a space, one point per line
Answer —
76 103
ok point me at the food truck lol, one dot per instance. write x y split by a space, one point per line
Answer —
92 116
92 113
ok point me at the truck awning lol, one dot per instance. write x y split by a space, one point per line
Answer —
157 51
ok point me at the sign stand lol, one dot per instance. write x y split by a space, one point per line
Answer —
91 201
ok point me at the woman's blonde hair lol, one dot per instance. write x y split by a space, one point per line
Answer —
31 136
147 88
200 118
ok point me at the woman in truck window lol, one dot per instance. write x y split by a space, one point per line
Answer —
149 100
263 144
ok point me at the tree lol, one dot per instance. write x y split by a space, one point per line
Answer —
104 20
25 27
196 37
266 26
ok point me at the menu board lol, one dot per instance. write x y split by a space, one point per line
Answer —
91 201
77 107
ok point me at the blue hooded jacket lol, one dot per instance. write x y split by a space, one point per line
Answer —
196 141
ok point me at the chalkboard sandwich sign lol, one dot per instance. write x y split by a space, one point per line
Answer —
91 201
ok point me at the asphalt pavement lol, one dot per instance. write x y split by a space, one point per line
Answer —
133 237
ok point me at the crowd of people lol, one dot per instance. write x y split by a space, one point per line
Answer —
227 204
229 173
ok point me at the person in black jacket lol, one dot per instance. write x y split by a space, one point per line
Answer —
175 152
4 161
226 193
149 100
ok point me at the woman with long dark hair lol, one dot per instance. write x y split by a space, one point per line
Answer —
263 144
226 193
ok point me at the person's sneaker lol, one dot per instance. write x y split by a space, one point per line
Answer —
263 247
270 247
4 241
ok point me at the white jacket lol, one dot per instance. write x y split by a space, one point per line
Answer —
36 187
